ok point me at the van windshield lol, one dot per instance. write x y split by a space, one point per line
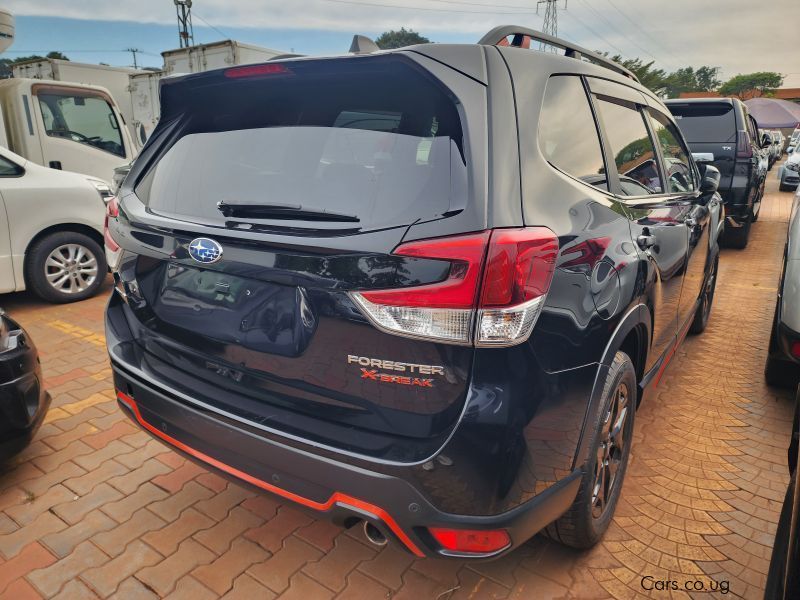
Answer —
705 122
372 144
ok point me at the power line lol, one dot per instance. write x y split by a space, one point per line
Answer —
574 15
638 26
612 26
223 34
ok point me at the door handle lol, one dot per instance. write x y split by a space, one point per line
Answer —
646 241
691 222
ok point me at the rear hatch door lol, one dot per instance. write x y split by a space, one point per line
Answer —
266 195
710 128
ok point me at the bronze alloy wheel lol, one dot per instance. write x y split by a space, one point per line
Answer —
610 450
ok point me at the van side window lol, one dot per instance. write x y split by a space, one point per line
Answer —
81 118
9 169
632 147
568 135
680 174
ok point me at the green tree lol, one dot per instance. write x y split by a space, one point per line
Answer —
762 83
650 77
688 79
57 54
707 78
400 39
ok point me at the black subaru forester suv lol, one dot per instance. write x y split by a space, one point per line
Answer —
422 289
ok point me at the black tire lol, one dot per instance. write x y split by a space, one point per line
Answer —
703 311
79 283
780 549
781 373
584 524
737 237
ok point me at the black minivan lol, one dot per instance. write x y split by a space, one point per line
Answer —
422 289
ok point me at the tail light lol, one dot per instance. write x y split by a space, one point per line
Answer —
469 541
112 248
743 147
493 295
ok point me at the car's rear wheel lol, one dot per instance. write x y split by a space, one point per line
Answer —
737 237
65 266
703 311
588 518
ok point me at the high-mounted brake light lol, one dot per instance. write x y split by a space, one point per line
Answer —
256 71
492 296
471 541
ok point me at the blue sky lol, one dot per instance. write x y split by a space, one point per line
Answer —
740 36
105 41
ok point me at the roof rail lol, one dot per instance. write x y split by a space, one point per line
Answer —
498 35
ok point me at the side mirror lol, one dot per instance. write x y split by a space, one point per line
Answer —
765 142
710 179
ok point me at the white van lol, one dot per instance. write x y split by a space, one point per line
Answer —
51 230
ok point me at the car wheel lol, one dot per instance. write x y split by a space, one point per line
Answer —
65 266
737 237
588 518
703 311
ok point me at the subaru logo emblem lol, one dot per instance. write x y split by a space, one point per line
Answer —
205 250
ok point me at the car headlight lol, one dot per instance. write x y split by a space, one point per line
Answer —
793 166
102 188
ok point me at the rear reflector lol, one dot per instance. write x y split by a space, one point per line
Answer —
469 541
498 278
113 250
795 349
256 71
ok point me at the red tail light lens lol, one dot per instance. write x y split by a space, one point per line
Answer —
512 268
795 349
256 71
469 541
465 254
743 147
519 267
112 212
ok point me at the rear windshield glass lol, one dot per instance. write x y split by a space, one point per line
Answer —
705 122
362 143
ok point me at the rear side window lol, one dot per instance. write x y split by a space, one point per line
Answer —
369 143
633 150
568 135
9 169
705 122
680 174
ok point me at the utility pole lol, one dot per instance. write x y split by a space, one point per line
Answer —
550 26
133 51
183 8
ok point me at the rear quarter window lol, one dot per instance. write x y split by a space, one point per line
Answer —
568 135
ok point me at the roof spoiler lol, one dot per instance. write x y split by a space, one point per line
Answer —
361 44
521 37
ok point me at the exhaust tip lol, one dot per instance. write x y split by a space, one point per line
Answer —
374 535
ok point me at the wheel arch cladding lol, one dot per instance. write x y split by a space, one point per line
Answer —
632 335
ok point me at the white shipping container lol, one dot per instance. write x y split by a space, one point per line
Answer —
145 103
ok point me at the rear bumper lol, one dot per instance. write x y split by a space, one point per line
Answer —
342 492
23 401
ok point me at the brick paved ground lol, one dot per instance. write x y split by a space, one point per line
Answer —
95 508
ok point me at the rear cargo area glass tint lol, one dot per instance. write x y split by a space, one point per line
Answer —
705 122
359 144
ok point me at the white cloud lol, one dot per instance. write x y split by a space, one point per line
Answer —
738 35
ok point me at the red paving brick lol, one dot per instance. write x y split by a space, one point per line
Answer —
95 508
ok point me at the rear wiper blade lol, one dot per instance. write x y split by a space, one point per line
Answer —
281 211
